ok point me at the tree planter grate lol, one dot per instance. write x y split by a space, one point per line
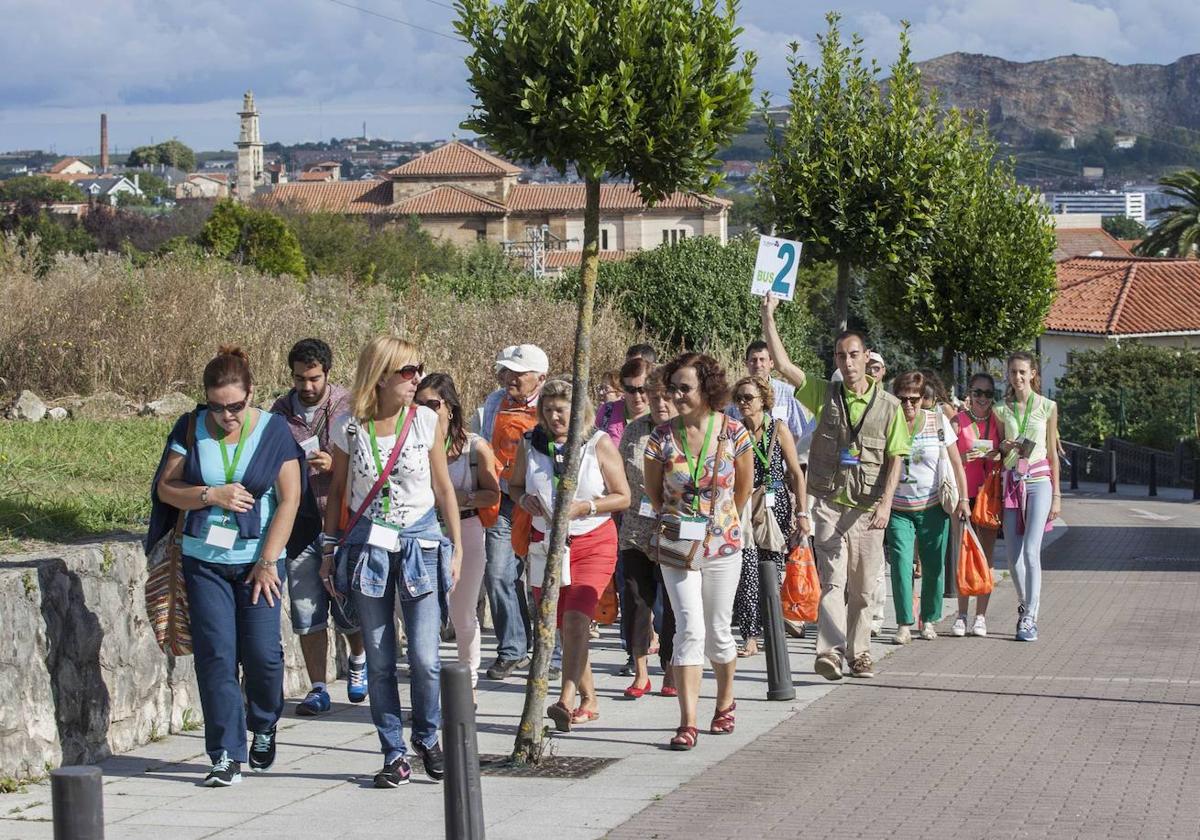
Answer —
550 767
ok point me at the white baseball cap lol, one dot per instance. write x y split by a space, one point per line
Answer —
523 358
875 357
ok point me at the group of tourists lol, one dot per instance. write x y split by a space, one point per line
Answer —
394 500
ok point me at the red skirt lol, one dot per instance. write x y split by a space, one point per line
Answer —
593 561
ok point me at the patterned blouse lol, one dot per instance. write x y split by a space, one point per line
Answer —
724 526
635 528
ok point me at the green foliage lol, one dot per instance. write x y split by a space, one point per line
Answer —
44 235
1123 227
255 237
747 212
1177 232
481 272
40 189
644 89
1138 392
153 187
171 152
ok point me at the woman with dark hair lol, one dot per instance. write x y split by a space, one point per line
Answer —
698 475
614 416
918 521
979 433
1032 497
473 474
236 470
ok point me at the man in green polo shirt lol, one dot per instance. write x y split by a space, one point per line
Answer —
854 465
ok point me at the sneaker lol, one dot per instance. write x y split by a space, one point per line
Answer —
876 629
903 634
432 758
960 627
555 672
861 667
928 632
262 751
594 631
1026 629
314 703
1020 619
829 666
502 669
1031 631
356 688
225 772
980 627
795 629
394 774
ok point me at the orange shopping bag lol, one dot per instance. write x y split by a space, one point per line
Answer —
989 504
606 610
801 590
974 575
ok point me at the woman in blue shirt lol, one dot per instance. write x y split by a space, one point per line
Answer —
241 483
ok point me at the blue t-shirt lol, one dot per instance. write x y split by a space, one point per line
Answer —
212 468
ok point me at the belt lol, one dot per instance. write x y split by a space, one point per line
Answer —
467 514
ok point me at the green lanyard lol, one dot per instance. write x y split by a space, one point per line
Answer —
696 469
1025 419
553 463
231 466
387 493
761 454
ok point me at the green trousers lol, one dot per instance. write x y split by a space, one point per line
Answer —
927 531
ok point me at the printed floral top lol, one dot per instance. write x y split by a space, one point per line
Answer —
724 524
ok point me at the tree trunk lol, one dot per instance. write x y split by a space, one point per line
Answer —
841 305
528 746
948 369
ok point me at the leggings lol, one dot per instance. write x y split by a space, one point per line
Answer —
1025 550
464 597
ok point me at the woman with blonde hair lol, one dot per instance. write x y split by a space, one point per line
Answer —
592 542
389 472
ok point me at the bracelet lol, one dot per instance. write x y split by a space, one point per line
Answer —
592 507
204 496
803 514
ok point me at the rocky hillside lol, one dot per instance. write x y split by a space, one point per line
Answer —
1071 95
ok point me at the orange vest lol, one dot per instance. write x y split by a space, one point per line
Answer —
513 420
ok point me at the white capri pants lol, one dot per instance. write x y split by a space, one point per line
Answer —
464 597
703 604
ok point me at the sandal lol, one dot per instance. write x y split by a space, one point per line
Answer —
722 722
745 652
561 715
582 715
685 738
635 691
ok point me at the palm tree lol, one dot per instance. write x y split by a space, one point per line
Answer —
1177 233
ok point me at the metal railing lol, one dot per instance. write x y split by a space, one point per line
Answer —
1122 462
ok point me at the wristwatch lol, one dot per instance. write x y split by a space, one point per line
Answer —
204 496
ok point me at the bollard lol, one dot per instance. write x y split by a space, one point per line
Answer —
779 665
462 793
1075 471
77 796
1112 471
1153 476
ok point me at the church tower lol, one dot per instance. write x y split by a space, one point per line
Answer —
250 175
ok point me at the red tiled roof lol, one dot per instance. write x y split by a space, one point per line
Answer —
1129 244
333 196
1084 242
65 162
1126 296
222 177
455 159
574 259
557 198
449 201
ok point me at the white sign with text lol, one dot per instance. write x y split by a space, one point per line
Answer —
775 268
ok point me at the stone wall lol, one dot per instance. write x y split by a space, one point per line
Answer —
82 674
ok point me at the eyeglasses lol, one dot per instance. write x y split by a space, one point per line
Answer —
910 400
228 408
633 389
742 399
409 372
431 404
983 393
681 390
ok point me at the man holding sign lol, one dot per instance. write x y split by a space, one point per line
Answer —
854 467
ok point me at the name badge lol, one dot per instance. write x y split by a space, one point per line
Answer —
693 527
221 536
645 508
779 412
1022 468
984 446
384 535
848 457
770 498
311 446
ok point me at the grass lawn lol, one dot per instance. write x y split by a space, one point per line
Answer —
76 478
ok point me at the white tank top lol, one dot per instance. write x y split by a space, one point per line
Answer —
461 475
539 480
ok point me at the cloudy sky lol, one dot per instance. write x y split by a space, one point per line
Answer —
164 68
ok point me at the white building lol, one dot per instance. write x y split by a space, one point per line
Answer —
1109 203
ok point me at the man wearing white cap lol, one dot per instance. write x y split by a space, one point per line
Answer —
522 371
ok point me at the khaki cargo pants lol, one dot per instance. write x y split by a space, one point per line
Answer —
849 560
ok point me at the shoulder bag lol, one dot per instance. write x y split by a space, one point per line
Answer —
947 483
166 589
666 546
764 527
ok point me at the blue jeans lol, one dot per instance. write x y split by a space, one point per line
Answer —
1025 550
423 624
504 587
228 631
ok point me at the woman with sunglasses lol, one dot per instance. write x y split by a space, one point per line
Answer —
393 548
238 476
699 469
614 416
918 520
592 542
979 434
775 460
473 474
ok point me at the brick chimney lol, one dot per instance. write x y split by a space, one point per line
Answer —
104 142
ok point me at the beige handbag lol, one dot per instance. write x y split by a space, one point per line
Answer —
764 528
667 548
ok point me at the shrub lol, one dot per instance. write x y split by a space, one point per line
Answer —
254 237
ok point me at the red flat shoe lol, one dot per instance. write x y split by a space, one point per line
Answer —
634 691
582 715
685 738
722 722
668 691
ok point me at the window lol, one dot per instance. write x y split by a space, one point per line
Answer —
604 239
674 236
481 235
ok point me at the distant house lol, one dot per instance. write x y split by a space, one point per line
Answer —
464 195
1087 242
107 188
1120 299
203 185
70 169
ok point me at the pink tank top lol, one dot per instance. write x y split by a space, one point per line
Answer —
968 433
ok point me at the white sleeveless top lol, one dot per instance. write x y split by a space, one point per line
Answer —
461 475
539 480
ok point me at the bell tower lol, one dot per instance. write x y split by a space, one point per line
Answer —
250 175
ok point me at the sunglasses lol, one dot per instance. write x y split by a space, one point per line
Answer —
228 408
744 398
681 390
983 393
410 372
431 404
633 389
910 400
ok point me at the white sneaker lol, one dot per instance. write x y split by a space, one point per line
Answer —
980 627
903 635
876 628
960 627
927 632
